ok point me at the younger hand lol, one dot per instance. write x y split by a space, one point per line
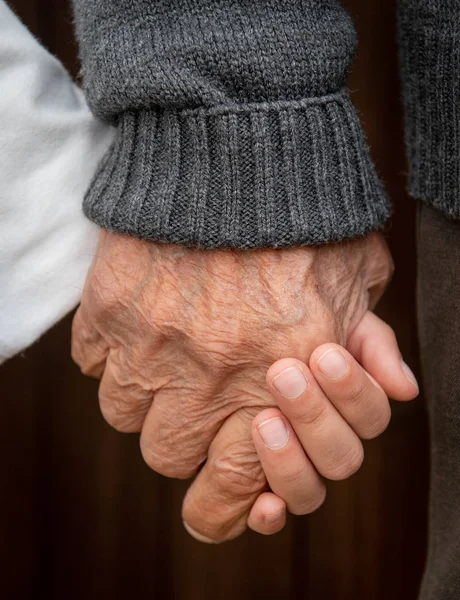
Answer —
323 411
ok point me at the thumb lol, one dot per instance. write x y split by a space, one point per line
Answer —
217 504
373 344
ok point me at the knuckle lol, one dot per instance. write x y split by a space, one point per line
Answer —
348 465
91 363
245 393
77 326
390 267
88 349
389 332
292 475
200 535
311 504
386 270
110 290
79 357
127 402
310 412
121 422
75 351
123 406
239 474
165 465
204 532
355 395
378 426
87 368
206 527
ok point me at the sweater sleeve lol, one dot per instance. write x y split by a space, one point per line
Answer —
429 43
234 125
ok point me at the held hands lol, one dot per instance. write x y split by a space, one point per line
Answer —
323 411
183 339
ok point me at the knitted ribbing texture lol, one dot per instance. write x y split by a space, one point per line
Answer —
235 127
429 41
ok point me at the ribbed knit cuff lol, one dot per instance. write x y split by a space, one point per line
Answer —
430 66
243 176
433 144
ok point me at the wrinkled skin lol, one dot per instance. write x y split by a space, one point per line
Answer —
183 338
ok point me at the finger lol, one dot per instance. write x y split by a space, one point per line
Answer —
268 514
217 504
289 472
330 443
89 349
124 404
183 421
361 402
374 345
176 434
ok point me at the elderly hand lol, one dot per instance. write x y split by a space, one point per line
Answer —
183 338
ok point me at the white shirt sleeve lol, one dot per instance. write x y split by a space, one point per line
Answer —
50 145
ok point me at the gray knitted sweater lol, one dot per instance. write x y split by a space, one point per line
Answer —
235 127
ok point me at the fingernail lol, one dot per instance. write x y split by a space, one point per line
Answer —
198 536
274 433
409 375
332 364
290 383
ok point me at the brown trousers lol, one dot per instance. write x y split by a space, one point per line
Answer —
439 330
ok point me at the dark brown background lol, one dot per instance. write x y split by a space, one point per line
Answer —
81 516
